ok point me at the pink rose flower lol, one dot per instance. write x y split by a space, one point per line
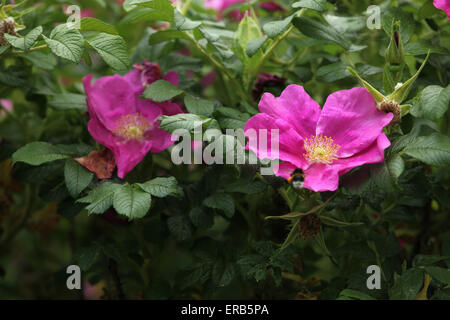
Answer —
325 143
443 5
122 121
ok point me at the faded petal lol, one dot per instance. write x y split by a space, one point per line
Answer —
352 120
295 107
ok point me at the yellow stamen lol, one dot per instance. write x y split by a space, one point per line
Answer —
321 149
132 126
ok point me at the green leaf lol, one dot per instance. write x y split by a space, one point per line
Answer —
433 103
68 101
183 23
354 294
246 187
198 106
149 10
66 43
166 35
37 153
162 187
131 202
77 178
161 90
187 121
26 42
179 227
101 198
318 5
438 273
93 24
317 30
254 45
221 201
433 149
200 218
41 60
112 49
411 282
223 273
407 23
274 28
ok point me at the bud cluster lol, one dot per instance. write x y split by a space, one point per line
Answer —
7 26
309 226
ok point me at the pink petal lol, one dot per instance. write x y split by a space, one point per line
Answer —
443 5
295 107
100 133
161 140
109 98
150 109
290 142
352 120
323 177
128 154
373 154
171 77
285 170
134 78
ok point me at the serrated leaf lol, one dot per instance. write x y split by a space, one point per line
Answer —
162 187
66 43
112 49
37 153
161 90
221 201
76 177
166 35
93 24
183 23
131 202
198 106
179 227
26 42
318 5
433 102
275 28
254 45
317 30
68 101
101 198
433 149
438 273
187 121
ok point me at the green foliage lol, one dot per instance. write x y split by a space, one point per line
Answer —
219 231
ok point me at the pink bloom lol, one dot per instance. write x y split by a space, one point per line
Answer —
122 121
325 143
222 5
271 6
7 104
443 5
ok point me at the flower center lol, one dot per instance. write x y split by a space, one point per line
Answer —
321 149
132 126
